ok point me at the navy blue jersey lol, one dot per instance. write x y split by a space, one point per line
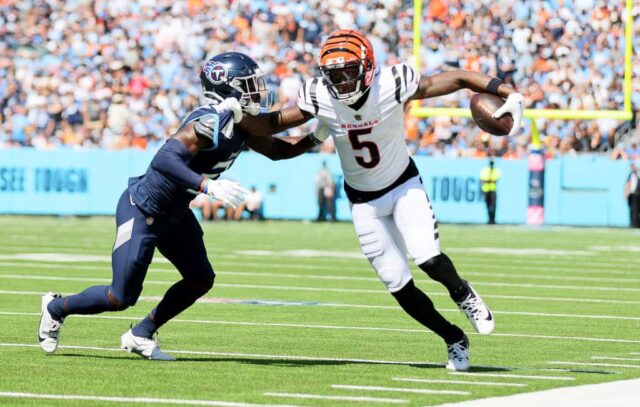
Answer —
162 191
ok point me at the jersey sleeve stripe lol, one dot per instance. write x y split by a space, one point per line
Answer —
314 98
303 89
412 75
396 75
404 75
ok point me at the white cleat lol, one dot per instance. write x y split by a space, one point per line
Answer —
145 347
477 312
49 330
458 355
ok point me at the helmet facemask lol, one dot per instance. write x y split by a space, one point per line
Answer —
251 91
347 82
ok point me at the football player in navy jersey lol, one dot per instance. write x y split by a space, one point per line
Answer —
153 211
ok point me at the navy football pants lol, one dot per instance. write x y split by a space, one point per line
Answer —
137 236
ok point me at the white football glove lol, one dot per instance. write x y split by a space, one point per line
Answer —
228 192
230 105
514 105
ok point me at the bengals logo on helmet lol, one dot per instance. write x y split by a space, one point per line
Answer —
216 72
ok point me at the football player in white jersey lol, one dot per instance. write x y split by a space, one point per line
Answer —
363 108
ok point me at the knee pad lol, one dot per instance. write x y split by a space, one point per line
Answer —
394 278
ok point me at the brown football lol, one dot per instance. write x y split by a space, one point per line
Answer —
483 105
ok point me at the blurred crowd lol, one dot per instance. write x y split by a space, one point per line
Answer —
121 74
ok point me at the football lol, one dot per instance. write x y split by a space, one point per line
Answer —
483 105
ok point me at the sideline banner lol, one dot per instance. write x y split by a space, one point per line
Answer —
576 190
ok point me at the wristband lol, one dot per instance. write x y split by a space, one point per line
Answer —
315 140
493 85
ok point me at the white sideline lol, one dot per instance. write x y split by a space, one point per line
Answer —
444 381
337 327
622 393
343 398
145 400
401 390
513 376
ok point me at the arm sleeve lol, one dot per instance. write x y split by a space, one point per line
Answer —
406 80
172 160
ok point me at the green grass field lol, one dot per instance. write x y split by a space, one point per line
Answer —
298 317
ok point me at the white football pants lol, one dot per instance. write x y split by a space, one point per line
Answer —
399 222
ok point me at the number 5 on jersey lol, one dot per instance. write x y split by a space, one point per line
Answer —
356 144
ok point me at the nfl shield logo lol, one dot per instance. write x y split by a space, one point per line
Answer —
216 72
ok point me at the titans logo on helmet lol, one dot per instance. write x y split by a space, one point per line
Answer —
216 72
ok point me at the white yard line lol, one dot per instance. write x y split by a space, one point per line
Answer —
337 327
217 300
440 294
324 289
513 376
444 381
614 358
401 390
341 398
556 362
615 394
145 400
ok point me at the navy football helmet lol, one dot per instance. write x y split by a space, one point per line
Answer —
234 74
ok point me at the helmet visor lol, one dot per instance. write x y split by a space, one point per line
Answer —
343 78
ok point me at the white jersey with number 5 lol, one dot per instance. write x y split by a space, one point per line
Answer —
370 140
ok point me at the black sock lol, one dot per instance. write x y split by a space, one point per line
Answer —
419 306
441 269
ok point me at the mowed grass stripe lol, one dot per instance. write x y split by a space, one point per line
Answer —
213 300
462 382
134 400
208 375
336 398
529 286
158 268
419 331
338 300
513 376
400 389
240 355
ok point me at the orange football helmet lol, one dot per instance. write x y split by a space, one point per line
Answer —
347 65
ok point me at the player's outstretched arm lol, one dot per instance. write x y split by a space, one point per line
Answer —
282 148
172 160
267 124
449 82
452 81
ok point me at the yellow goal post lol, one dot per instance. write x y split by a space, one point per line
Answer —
563 114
